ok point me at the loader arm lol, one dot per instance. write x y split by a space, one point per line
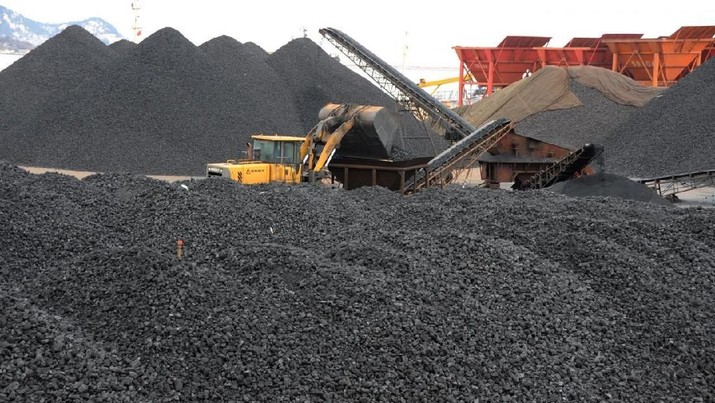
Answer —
362 131
317 134
332 143
321 135
329 132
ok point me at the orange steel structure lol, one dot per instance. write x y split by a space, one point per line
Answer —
709 52
663 61
657 62
502 65
594 51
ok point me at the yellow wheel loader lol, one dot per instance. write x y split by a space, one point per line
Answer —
359 131
270 159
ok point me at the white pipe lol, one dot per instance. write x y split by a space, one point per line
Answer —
330 157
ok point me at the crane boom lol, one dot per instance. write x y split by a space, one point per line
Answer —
436 83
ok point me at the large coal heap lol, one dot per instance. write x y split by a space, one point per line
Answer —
672 134
573 127
163 106
313 293
314 79
122 47
46 74
668 135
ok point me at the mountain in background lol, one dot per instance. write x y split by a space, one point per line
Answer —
19 34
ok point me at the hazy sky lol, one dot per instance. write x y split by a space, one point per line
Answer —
428 29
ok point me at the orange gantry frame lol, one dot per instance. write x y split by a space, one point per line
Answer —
502 65
594 51
663 61
658 62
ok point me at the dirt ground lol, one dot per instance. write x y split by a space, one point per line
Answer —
83 174
703 197
469 177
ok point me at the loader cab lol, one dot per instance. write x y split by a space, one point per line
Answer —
277 149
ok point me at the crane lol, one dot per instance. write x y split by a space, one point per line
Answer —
136 27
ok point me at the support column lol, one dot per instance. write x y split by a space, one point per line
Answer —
460 100
614 63
490 79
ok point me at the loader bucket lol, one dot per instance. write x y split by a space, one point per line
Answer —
373 134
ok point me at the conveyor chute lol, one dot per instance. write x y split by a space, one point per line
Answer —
563 169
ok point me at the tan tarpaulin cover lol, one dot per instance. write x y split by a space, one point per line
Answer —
549 89
545 90
617 87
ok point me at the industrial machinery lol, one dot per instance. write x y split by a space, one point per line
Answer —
447 97
353 142
657 62
437 83
403 90
470 142
562 170
358 139
669 186
359 131
412 175
415 174
269 159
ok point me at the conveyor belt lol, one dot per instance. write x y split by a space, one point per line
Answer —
399 86
470 147
563 169
671 185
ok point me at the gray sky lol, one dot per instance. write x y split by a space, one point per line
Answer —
429 30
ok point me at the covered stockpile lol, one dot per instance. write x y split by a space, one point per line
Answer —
646 131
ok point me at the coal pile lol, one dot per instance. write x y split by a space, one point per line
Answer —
315 79
49 72
46 365
672 134
164 106
573 127
608 185
123 47
669 135
232 53
314 293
